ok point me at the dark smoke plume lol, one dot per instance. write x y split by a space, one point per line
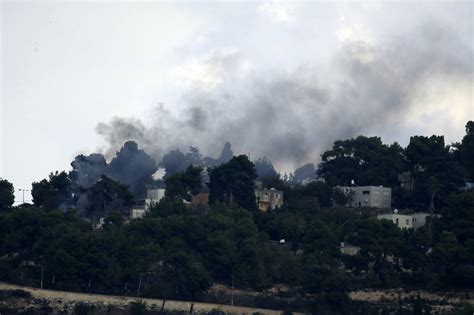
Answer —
292 118
86 170
130 166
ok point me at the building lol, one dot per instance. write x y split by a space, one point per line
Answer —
140 207
200 200
406 221
368 196
349 249
268 199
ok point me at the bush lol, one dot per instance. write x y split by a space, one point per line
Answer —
137 307
82 308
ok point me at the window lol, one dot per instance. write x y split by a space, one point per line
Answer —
396 221
408 222
366 192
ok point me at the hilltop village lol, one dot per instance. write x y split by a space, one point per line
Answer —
371 216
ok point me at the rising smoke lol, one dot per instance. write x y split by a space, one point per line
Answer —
291 118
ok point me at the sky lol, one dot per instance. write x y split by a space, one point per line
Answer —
278 79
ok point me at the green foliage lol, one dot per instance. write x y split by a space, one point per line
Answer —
168 206
55 193
466 150
108 195
180 184
435 170
364 159
175 253
459 215
7 194
234 182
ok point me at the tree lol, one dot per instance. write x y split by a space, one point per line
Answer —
467 150
192 179
108 195
459 216
234 182
175 186
7 194
174 161
320 190
55 193
429 158
179 184
366 160
433 187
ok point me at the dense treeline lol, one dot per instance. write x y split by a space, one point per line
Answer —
179 252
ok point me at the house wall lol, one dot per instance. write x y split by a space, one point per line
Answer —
419 219
155 194
142 206
269 199
137 213
405 221
370 196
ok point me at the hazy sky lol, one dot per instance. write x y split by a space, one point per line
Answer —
280 79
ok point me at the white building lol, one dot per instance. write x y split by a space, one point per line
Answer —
140 207
368 196
405 221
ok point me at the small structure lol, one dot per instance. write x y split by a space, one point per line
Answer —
467 186
406 221
140 207
200 200
268 199
367 196
349 249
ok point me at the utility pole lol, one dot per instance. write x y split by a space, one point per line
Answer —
23 193
139 286
232 290
41 275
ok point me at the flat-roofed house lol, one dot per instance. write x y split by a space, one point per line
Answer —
368 196
140 207
406 221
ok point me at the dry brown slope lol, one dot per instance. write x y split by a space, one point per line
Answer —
123 301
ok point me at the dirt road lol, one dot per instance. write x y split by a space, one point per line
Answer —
58 299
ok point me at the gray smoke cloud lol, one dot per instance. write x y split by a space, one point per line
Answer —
291 118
